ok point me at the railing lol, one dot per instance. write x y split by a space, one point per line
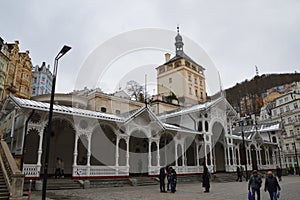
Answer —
31 170
13 177
92 171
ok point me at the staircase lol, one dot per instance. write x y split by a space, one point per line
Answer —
62 184
4 193
143 181
116 182
223 177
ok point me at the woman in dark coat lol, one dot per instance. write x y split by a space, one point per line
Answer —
205 179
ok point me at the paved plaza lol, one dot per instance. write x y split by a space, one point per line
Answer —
225 191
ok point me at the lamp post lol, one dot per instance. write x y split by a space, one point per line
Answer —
47 133
244 148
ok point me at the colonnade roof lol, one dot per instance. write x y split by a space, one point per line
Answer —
14 102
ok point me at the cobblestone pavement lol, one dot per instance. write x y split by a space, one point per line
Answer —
225 191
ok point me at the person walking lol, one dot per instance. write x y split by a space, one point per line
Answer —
168 177
205 179
58 167
238 173
162 176
173 179
272 186
255 185
279 173
62 165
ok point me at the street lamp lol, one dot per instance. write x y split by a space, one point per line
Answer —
47 133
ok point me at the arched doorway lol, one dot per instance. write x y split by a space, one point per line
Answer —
62 141
167 150
253 157
31 147
138 150
103 146
82 150
191 154
218 138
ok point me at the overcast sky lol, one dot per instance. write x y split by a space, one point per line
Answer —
236 35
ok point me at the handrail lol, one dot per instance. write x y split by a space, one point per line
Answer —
13 176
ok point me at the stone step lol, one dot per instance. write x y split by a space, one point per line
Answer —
117 182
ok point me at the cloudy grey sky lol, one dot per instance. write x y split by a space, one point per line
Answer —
236 35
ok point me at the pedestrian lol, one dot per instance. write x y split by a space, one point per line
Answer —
168 177
62 165
255 185
272 186
205 179
57 167
238 172
279 173
242 172
162 176
173 179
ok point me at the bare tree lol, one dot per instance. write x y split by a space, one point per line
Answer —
135 90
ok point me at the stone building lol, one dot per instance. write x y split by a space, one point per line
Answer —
19 75
4 60
42 80
181 76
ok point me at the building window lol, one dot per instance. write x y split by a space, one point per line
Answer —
170 80
287 108
289 120
291 132
190 77
281 110
295 105
201 95
280 101
196 92
196 81
103 109
287 146
293 145
286 99
190 90
275 112
118 112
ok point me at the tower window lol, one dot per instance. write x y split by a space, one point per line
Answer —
190 90
196 92
103 109
190 77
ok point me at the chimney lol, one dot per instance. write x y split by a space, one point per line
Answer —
167 57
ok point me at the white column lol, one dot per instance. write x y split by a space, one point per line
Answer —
88 155
211 155
117 151
260 160
40 150
176 154
239 156
197 154
149 154
127 152
75 154
183 154
158 155
88 163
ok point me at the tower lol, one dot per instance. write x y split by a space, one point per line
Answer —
181 76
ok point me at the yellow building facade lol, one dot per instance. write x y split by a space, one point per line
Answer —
4 60
19 72
181 76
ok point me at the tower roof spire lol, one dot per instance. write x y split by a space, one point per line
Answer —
178 43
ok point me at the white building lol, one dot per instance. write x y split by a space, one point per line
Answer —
41 80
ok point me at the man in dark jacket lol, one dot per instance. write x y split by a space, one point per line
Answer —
272 185
255 184
173 179
205 179
162 175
